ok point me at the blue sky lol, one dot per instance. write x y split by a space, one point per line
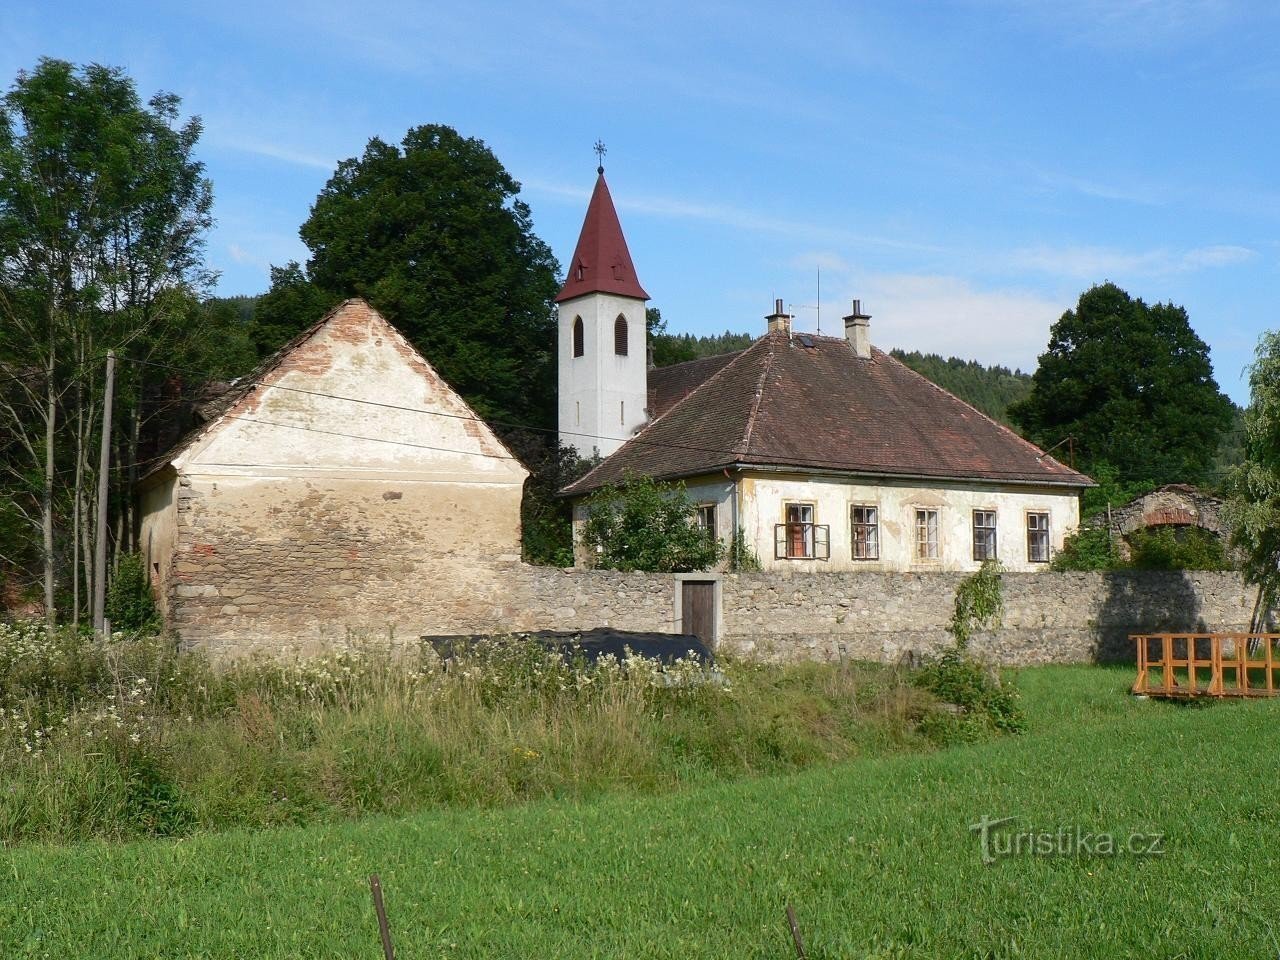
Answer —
965 168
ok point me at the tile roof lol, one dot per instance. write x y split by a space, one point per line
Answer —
780 403
601 261
669 385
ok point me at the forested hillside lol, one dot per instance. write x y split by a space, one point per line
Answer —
991 389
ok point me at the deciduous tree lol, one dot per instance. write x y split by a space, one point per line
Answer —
1132 385
1253 488
103 212
432 233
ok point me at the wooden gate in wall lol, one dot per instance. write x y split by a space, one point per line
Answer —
698 610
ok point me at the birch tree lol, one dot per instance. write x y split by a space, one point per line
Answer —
103 212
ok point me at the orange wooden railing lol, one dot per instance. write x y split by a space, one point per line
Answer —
1170 665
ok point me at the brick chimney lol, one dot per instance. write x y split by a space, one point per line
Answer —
857 328
779 321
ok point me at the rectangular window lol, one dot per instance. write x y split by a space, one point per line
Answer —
1038 537
926 534
707 518
799 538
984 534
864 523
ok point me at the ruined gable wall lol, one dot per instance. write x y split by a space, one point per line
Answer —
281 564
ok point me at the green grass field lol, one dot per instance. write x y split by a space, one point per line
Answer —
875 854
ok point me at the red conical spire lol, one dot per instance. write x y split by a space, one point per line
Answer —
601 262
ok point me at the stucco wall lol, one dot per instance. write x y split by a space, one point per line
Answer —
159 528
762 507
603 396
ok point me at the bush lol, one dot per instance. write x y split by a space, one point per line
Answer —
642 525
983 703
130 604
1167 548
1087 550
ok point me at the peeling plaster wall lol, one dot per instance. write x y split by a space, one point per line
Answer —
352 490
764 497
159 530
296 565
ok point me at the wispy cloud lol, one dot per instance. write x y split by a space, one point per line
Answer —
1091 262
677 208
934 313
284 154
951 316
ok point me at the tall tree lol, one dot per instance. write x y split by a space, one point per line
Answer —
431 232
292 305
1132 385
1253 487
103 213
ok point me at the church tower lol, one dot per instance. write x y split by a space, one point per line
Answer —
603 350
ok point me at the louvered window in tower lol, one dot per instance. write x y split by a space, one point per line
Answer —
620 336
578 348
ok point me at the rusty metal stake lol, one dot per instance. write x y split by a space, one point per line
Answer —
375 887
795 932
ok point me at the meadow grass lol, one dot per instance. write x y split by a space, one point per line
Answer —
876 854
130 738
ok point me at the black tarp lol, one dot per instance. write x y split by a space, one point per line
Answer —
591 644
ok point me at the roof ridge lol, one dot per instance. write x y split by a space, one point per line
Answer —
1041 455
755 406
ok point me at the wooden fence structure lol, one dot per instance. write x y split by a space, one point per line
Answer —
1207 664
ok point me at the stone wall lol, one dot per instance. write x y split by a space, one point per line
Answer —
1049 617
304 590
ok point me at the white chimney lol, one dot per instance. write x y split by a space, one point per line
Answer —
857 328
779 321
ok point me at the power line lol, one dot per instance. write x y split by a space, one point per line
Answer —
638 439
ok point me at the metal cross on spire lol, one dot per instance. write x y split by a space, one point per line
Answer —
600 150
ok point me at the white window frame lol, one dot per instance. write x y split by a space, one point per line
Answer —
871 529
921 523
989 529
1046 532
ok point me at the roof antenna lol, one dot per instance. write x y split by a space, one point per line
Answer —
819 307
600 150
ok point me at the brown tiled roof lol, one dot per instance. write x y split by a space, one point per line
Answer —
780 403
670 385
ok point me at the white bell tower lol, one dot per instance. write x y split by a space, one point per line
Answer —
603 348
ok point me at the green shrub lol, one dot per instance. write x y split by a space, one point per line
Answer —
130 603
983 703
1087 550
979 603
742 556
642 525
1168 548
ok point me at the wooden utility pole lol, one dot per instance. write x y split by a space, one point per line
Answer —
104 469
